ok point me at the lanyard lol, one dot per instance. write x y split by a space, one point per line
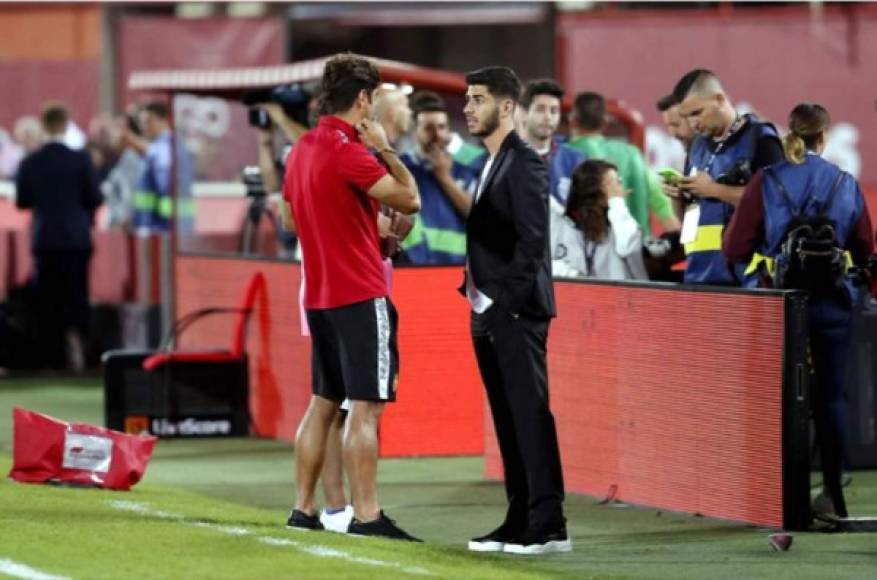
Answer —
590 251
738 122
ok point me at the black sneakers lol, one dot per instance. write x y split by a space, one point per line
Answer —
494 541
533 541
382 527
298 520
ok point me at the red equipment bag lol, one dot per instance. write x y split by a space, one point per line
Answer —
46 450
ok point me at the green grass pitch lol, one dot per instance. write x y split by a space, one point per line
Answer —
217 508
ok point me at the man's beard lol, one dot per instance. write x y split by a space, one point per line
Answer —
538 133
491 124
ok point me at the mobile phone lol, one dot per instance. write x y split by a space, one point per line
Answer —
671 176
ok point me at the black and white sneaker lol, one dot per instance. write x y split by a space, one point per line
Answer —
495 541
382 527
538 542
298 520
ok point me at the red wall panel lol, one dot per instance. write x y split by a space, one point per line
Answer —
279 355
63 31
664 397
49 52
439 403
29 84
668 398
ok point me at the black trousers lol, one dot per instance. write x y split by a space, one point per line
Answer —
511 355
62 288
830 329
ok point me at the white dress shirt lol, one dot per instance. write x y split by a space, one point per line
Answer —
479 301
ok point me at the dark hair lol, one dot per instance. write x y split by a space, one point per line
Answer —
157 108
807 122
54 117
590 111
426 102
687 82
316 107
588 204
666 102
501 81
344 76
540 87
133 124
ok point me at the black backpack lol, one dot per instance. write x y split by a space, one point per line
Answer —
811 257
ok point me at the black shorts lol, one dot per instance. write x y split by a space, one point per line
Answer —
354 351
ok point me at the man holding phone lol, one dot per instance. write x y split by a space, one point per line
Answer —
446 187
726 152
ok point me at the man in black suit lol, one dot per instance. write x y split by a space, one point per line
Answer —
508 283
60 186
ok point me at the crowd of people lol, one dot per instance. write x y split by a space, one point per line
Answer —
751 209
447 169
62 177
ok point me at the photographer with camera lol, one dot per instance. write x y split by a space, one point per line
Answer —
287 108
728 149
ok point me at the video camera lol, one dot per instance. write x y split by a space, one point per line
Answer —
252 178
293 99
739 174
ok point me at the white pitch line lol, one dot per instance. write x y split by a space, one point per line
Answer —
230 530
19 570
143 509
311 549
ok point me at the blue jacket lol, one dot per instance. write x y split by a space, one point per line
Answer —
706 264
438 235
562 161
167 155
808 186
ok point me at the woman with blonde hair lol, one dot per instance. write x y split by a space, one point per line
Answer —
789 210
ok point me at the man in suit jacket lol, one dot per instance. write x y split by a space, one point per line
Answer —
508 283
60 186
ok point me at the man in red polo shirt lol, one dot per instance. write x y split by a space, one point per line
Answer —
335 187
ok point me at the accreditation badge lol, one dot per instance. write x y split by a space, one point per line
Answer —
689 224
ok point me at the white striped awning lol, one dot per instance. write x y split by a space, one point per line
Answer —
233 83
242 79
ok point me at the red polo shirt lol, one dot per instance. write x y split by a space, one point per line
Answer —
327 176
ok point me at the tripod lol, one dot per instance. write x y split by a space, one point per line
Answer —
251 242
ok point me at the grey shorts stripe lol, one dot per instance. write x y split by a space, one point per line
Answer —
382 319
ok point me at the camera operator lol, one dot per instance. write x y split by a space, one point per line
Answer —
287 108
271 157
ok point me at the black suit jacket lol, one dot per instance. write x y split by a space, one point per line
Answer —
507 241
60 186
